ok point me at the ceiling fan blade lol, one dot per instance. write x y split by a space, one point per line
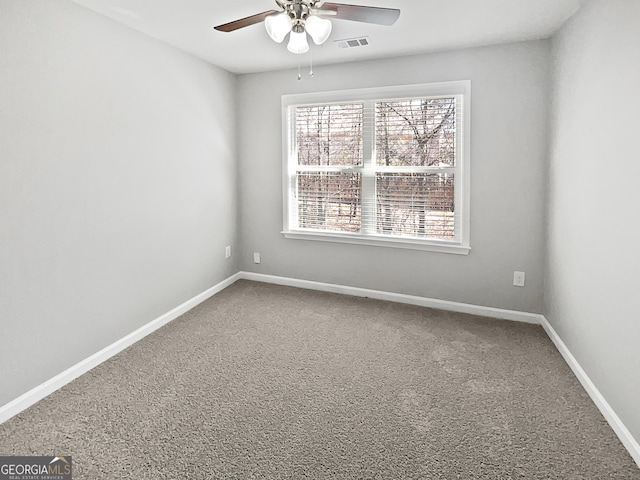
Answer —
245 22
358 13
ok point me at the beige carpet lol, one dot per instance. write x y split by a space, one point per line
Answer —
269 382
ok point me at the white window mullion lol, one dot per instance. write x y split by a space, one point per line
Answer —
368 191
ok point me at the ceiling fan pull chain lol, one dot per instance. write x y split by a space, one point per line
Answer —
299 75
311 63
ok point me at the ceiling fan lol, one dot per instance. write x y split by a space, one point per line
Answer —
302 17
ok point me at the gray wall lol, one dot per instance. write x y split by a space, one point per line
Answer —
117 184
119 190
592 265
508 155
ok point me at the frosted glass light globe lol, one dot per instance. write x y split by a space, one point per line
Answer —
298 42
278 25
318 28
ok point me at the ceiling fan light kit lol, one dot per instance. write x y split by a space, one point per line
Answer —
301 17
297 20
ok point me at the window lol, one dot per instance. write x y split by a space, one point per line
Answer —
382 166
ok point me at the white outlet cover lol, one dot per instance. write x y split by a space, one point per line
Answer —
518 279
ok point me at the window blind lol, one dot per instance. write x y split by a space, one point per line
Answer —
329 134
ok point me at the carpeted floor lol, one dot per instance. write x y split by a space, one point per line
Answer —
263 381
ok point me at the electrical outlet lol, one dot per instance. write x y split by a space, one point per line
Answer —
227 251
256 257
518 279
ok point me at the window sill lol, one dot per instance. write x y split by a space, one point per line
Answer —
430 246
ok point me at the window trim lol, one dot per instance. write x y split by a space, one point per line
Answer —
461 88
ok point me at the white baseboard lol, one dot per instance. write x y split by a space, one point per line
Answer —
38 393
492 312
608 413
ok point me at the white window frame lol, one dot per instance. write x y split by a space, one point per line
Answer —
460 89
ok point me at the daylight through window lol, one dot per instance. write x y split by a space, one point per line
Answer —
387 170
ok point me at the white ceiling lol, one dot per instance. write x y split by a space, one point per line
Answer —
423 26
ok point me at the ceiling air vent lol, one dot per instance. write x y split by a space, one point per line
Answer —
353 42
